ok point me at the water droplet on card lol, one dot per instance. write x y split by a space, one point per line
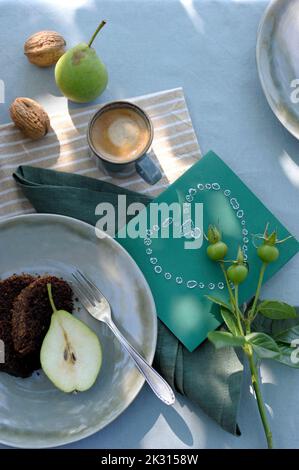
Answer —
167 222
191 284
234 203
192 191
187 227
196 233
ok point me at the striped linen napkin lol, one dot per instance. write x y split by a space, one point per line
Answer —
65 148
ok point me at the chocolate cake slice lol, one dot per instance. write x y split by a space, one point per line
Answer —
10 288
31 312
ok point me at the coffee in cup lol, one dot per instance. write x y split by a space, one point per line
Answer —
120 135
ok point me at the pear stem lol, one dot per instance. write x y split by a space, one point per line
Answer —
49 287
96 32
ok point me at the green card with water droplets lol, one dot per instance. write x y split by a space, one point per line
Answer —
172 252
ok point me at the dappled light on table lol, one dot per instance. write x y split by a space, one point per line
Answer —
290 168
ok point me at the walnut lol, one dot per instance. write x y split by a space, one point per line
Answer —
30 118
44 48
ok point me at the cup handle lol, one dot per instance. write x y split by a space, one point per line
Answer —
148 170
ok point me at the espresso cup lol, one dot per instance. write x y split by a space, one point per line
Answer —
120 135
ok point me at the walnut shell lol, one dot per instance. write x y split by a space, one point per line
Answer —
44 48
30 118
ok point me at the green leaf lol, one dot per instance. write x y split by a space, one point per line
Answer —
230 321
218 302
289 356
222 339
274 328
278 326
263 345
288 335
276 310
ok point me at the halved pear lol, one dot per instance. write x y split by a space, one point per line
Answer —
71 354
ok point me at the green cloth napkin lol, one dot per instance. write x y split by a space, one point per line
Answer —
208 377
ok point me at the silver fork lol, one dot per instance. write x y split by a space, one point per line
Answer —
98 306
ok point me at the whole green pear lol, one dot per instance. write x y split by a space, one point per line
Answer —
80 74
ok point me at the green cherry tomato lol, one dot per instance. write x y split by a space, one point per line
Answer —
217 251
268 253
237 273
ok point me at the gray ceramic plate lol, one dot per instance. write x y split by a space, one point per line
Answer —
33 413
278 60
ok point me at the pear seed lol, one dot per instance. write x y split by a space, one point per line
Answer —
73 357
65 354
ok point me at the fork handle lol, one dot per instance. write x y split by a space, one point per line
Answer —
159 386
